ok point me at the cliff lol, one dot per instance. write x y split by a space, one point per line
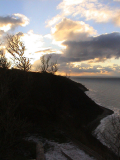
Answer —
47 101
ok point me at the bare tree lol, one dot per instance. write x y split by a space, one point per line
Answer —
46 65
3 60
17 49
53 67
4 63
110 134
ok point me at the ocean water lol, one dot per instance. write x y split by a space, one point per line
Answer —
104 91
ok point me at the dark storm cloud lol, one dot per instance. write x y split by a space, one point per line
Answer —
103 47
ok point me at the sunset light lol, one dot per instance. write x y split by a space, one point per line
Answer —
74 32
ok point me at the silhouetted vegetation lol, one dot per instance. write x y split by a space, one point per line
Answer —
17 49
13 128
30 100
46 65
4 63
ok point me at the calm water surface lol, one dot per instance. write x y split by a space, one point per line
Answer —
104 91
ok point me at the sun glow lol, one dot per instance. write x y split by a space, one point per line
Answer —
33 42
6 28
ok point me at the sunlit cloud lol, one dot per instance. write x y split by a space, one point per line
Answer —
49 36
67 7
68 30
6 28
59 44
89 9
102 14
72 30
83 69
54 20
1 32
49 51
20 17
11 22
116 19
34 45
74 43
70 3
33 42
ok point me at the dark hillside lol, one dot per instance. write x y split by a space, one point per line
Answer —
59 96
47 101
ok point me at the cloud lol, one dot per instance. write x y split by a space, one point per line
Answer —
116 19
1 32
81 42
98 48
54 20
72 30
54 58
87 69
98 14
46 51
89 9
11 22
34 45
32 41
49 51
82 68
69 30
49 36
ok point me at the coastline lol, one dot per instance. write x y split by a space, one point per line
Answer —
52 105
106 112
89 129
94 124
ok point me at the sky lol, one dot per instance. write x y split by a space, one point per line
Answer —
83 36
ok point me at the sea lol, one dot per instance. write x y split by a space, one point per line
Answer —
104 91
